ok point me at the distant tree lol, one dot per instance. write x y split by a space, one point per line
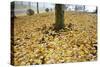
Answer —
29 5
37 7
83 7
76 8
59 17
30 12
51 9
21 3
79 7
47 9
66 6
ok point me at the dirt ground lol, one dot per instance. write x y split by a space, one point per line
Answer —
35 41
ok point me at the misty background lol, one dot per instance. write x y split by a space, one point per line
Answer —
21 7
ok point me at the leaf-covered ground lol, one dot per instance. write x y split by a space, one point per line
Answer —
35 41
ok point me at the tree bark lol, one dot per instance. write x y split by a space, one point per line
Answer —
12 31
59 17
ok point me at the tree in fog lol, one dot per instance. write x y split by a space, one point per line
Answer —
83 7
30 11
79 7
29 5
59 17
21 3
37 7
75 7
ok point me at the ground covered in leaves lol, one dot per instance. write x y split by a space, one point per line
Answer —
36 42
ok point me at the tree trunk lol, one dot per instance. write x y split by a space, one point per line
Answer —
37 7
96 11
59 17
12 31
12 9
